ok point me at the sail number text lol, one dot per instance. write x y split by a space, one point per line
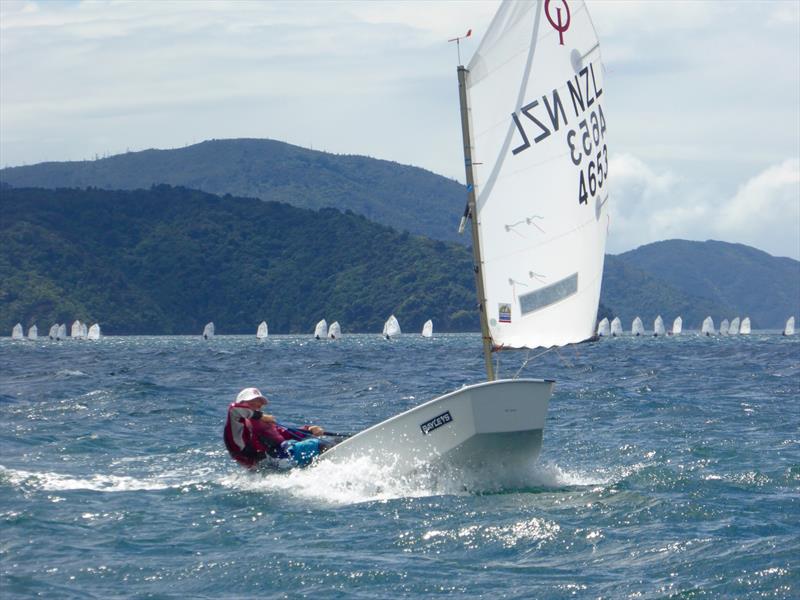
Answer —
586 142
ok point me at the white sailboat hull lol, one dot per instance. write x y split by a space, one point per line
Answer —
493 423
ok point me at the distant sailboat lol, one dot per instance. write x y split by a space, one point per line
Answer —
263 331
734 327
677 326
53 332
76 331
616 327
321 330
603 328
724 327
335 331
789 329
16 332
62 332
33 333
391 328
745 328
708 326
637 328
94 332
208 331
658 327
427 329
84 331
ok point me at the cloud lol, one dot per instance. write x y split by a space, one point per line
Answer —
649 204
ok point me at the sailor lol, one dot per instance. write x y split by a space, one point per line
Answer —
252 436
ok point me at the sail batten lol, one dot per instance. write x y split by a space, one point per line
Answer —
537 166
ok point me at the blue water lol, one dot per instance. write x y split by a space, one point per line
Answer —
670 466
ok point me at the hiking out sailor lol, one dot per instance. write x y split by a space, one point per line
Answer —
251 436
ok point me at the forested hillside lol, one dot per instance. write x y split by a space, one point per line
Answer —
167 260
401 196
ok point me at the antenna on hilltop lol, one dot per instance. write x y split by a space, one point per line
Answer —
457 40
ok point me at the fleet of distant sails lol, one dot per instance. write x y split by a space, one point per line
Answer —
734 327
78 331
391 329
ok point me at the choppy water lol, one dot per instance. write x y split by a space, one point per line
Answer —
670 467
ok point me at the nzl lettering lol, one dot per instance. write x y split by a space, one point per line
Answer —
583 92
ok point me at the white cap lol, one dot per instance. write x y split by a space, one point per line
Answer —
249 394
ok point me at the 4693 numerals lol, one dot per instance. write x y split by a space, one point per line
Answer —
592 134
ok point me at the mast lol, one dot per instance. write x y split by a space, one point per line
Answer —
472 212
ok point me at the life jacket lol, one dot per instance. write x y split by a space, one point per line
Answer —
238 435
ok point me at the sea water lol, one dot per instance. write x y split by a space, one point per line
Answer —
670 466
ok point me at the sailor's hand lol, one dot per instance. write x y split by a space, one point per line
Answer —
268 419
316 430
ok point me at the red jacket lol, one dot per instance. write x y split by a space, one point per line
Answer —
248 438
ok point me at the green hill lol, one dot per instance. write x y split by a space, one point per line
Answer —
401 196
629 292
741 280
167 260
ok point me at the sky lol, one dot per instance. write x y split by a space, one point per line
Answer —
703 96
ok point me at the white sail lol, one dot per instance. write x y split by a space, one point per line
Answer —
94 332
789 329
540 165
724 327
427 329
658 326
616 327
708 326
734 327
84 330
335 331
76 330
391 328
33 333
263 331
208 331
677 326
53 332
321 330
745 327
16 332
62 332
637 328
603 328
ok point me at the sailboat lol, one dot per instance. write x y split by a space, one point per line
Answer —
603 328
745 328
658 327
427 329
677 326
33 333
94 332
733 329
62 332
789 329
391 328
53 332
708 326
724 327
76 331
537 201
616 327
335 331
321 330
16 332
208 331
263 331
637 328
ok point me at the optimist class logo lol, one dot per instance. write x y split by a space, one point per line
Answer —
557 24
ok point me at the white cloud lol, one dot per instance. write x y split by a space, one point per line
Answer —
649 204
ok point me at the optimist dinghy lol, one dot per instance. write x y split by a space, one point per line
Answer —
537 202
